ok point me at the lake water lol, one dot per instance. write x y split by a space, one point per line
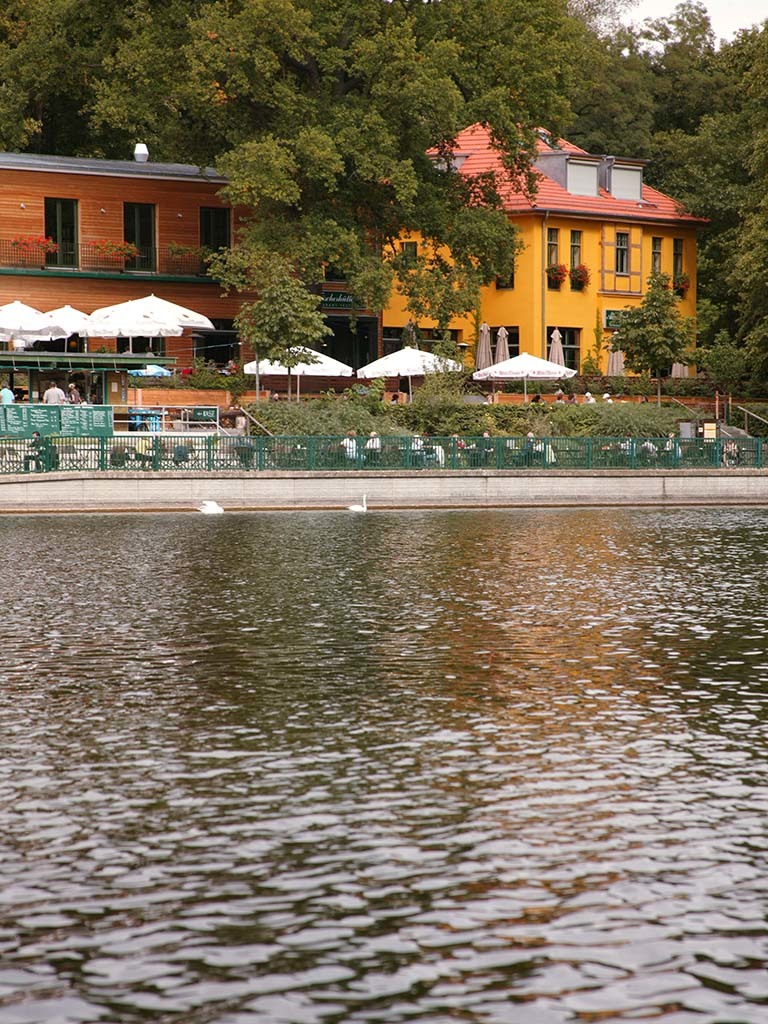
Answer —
485 766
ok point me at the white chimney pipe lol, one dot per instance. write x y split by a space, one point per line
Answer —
140 153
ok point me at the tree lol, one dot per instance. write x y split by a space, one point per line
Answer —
334 121
726 363
654 335
285 321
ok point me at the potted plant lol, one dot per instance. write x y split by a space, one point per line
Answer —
680 285
107 252
187 258
556 274
579 276
32 248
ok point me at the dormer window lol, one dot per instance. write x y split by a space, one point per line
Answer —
627 182
582 178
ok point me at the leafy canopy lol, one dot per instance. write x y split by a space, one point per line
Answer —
654 334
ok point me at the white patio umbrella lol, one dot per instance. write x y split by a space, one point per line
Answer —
408 362
160 310
67 320
321 366
23 322
502 345
524 367
615 366
483 355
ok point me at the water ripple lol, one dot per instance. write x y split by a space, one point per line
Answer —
441 767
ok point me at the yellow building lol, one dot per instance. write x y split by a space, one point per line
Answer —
589 212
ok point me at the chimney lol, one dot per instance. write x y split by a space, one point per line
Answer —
140 153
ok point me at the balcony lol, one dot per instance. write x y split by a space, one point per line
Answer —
101 257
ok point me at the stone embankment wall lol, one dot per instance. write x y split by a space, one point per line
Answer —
146 492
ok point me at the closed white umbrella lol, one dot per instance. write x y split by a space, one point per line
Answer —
483 355
615 366
556 354
524 367
502 345
408 362
679 370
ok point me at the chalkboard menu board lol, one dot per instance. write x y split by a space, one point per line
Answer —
67 420
86 421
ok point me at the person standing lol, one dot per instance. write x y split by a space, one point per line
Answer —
74 396
53 395
7 397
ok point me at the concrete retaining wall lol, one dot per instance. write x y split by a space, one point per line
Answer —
447 488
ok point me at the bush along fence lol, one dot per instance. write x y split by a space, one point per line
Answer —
215 453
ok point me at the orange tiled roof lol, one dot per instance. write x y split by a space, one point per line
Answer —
474 145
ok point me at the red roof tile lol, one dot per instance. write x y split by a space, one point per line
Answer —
481 157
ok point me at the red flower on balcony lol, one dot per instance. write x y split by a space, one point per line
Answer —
556 274
34 244
579 276
114 250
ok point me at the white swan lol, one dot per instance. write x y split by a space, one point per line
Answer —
210 508
359 508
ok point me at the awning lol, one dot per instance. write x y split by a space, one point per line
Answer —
79 361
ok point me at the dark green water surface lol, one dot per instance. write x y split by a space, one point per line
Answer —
504 767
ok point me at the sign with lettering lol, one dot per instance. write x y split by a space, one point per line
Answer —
337 300
203 414
86 421
612 318
66 420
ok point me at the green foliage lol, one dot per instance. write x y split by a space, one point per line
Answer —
654 334
328 415
621 418
285 321
725 363
443 414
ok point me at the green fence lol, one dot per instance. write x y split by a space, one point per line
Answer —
209 453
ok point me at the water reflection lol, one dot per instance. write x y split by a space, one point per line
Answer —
471 766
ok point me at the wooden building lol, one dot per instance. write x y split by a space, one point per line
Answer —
91 233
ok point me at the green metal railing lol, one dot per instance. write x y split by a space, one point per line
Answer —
210 453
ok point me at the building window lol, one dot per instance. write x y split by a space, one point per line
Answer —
334 273
655 255
61 226
409 252
575 249
141 346
571 340
220 345
553 258
139 229
622 252
553 246
506 282
677 257
214 228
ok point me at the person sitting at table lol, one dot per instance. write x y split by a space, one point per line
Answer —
36 453
488 447
373 448
349 444
144 446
